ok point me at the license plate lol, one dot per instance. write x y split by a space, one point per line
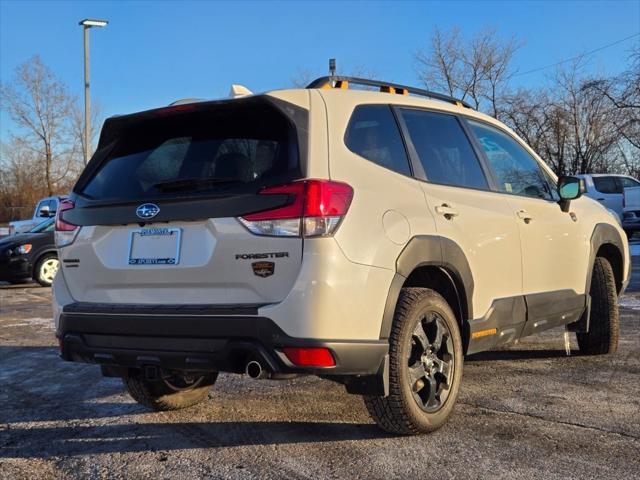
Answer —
154 246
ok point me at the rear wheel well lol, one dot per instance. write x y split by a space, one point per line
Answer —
442 281
612 254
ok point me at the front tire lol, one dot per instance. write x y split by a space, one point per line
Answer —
604 324
425 365
172 393
46 269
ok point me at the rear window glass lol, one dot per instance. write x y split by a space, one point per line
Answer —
373 134
628 182
606 185
207 150
444 150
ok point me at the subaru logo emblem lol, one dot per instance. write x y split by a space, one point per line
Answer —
147 210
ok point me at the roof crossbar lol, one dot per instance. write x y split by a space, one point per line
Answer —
342 83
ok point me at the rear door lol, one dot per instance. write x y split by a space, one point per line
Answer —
466 211
159 203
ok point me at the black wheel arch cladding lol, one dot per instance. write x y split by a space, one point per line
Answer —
431 251
607 242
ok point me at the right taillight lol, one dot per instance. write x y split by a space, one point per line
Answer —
65 231
315 209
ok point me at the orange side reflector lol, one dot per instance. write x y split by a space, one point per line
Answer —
484 333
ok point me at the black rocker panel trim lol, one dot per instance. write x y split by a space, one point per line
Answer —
506 315
552 309
516 317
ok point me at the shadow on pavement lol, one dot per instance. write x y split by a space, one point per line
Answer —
47 442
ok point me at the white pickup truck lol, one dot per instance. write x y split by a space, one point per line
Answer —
631 210
619 193
46 208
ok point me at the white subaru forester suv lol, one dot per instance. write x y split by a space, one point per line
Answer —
373 238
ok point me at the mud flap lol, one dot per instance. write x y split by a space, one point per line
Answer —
374 385
582 325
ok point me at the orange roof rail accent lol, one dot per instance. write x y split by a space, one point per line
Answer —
341 82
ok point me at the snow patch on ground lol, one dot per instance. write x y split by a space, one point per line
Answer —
629 302
34 322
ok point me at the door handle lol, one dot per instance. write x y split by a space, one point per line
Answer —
447 211
524 215
600 199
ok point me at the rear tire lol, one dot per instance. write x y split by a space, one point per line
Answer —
163 395
425 365
604 324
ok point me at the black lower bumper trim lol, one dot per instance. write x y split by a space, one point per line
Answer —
202 343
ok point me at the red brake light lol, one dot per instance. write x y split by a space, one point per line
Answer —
62 225
310 357
315 209
171 109
327 199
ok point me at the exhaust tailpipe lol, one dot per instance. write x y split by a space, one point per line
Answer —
255 370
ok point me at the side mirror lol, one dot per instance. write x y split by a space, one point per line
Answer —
569 188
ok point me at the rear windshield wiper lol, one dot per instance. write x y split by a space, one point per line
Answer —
187 183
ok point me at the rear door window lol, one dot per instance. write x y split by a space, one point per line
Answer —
443 149
208 150
373 134
628 182
607 185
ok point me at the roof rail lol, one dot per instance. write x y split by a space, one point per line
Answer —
341 82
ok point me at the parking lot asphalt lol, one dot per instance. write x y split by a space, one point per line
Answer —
527 411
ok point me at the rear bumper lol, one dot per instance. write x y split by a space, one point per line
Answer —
199 338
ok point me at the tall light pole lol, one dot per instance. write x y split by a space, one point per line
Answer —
87 23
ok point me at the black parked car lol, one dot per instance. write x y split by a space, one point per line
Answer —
30 255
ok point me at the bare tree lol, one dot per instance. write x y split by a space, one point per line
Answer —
568 122
41 108
77 127
476 70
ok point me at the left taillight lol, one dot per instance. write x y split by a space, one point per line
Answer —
315 209
66 231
